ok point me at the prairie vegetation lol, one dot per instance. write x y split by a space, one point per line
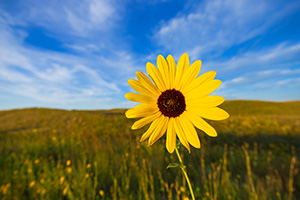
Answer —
58 154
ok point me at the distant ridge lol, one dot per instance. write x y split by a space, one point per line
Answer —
232 106
257 107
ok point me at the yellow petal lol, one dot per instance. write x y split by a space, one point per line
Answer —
156 77
140 98
203 90
199 81
182 65
190 132
201 124
207 101
152 127
159 131
144 80
141 110
214 113
137 86
190 74
171 136
164 70
146 120
181 134
172 70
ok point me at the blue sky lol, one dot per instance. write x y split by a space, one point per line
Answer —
79 54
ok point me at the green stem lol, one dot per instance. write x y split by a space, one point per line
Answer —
183 168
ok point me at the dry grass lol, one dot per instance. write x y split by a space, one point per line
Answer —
57 154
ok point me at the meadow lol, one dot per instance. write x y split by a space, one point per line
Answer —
59 154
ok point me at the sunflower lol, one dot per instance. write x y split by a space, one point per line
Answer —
175 102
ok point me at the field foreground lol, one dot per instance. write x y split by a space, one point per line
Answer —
58 154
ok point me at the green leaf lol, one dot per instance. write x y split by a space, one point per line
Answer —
172 165
178 143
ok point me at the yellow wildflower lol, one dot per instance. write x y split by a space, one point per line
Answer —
31 184
65 191
68 162
175 102
69 169
62 179
101 192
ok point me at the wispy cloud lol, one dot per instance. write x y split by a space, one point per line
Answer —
66 17
55 77
95 42
52 78
277 77
91 15
88 26
261 74
214 26
283 56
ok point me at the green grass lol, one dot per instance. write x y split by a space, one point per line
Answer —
255 156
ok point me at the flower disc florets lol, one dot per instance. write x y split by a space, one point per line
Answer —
171 103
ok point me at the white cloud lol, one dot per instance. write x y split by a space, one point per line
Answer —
53 77
61 18
95 70
253 69
269 74
260 84
282 56
90 16
100 12
85 47
54 81
95 73
13 76
290 71
214 26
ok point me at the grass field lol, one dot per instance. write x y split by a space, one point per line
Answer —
58 154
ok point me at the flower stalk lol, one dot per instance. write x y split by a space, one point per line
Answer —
183 168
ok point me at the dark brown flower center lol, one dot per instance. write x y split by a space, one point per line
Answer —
171 103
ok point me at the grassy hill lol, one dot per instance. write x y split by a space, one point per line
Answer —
243 107
59 154
44 118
